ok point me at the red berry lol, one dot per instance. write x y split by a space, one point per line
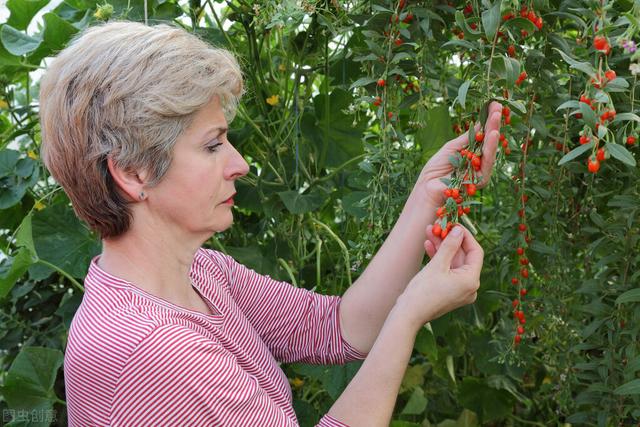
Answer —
631 140
593 165
522 227
377 101
610 74
479 136
437 230
524 272
441 211
600 154
471 189
524 261
515 303
506 111
398 41
381 82
523 292
476 162
514 281
520 330
600 43
518 339
444 232
520 251
447 193
390 115
511 50
584 139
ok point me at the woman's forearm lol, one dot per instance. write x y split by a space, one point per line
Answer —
370 397
368 301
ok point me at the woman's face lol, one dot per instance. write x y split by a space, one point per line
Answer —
201 177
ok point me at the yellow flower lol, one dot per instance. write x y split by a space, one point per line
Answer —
32 154
296 382
273 100
3 104
39 205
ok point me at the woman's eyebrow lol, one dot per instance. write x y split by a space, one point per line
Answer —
216 130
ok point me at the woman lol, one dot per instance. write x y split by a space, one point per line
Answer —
134 128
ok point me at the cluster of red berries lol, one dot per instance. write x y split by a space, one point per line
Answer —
523 262
506 120
454 207
531 16
521 77
594 160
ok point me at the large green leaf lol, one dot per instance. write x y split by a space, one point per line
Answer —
17 175
336 136
13 268
490 404
22 11
17 42
297 203
491 19
632 387
57 31
28 385
435 129
62 240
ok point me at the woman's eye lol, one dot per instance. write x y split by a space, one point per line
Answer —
212 148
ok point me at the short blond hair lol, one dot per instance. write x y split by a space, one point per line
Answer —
125 90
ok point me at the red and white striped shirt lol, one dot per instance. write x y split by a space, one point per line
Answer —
133 359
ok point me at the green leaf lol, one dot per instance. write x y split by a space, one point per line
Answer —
24 236
491 20
462 92
585 67
17 42
16 177
61 239
417 403
490 404
57 31
575 153
426 343
362 82
588 115
569 104
435 130
298 203
632 295
626 117
621 153
520 23
459 43
23 11
30 379
632 387
13 268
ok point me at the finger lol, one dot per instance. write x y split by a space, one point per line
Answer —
494 107
450 246
474 255
489 151
429 249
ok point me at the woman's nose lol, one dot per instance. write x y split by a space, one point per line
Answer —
237 166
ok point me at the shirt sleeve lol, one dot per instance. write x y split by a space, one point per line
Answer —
176 376
296 324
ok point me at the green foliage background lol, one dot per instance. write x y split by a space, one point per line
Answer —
330 173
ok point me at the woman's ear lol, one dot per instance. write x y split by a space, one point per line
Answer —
130 182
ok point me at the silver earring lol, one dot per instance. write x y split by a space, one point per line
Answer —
142 195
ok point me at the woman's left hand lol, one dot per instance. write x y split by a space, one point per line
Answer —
438 166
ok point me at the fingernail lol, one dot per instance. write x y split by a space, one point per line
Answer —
456 231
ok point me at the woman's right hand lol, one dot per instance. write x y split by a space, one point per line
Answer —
450 280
